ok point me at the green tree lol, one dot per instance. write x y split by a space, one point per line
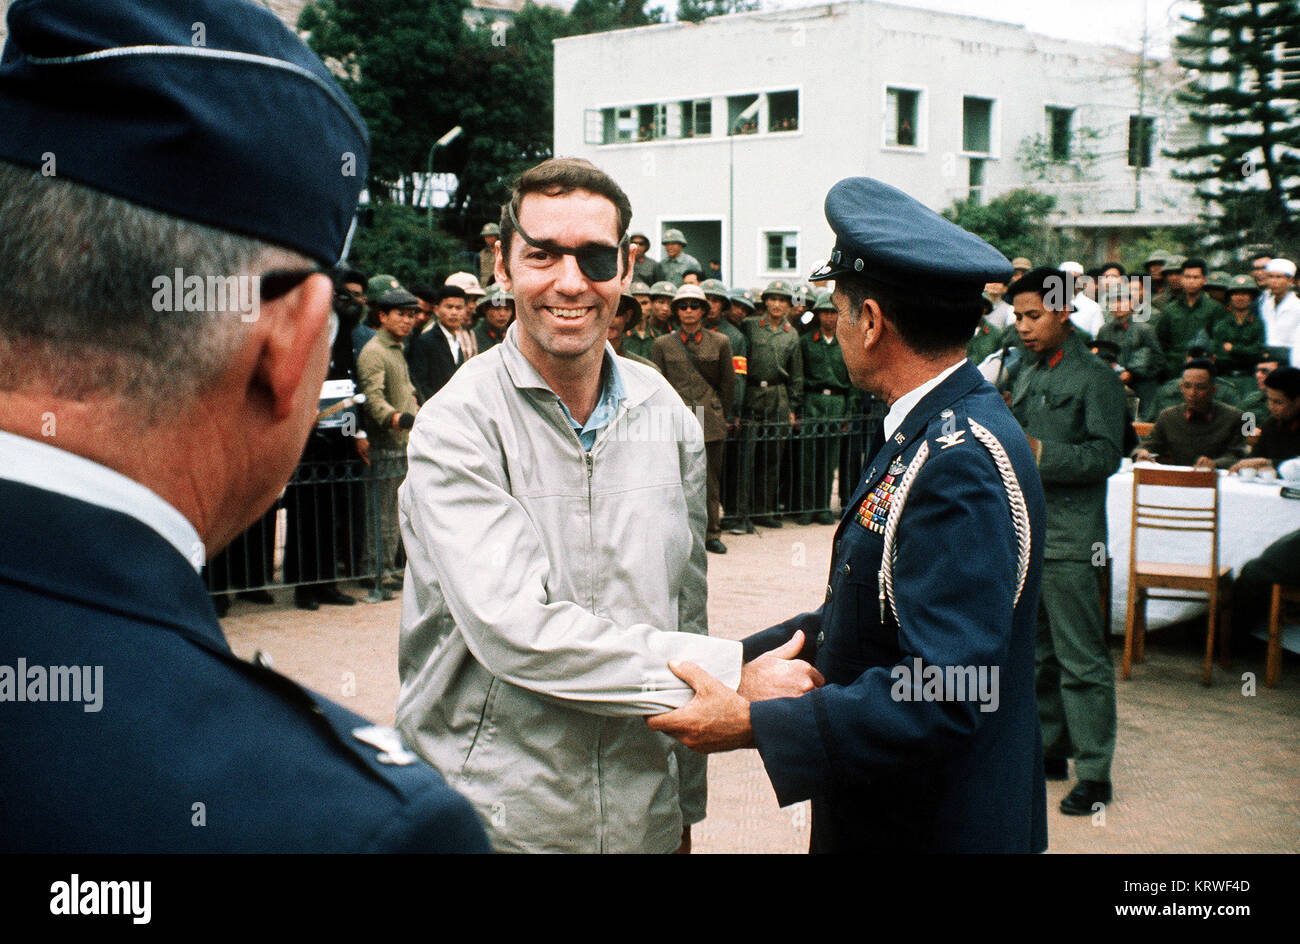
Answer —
1247 168
416 70
696 11
598 16
1015 222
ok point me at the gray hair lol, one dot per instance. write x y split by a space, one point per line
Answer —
80 316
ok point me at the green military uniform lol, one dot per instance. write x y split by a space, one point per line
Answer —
739 360
826 397
774 391
1237 345
487 337
1179 323
986 340
634 343
1073 403
1139 354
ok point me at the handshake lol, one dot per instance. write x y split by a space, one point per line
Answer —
717 719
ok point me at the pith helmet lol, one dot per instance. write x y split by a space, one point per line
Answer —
780 288
689 291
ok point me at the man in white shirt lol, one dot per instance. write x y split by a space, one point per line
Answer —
1280 307
1087 314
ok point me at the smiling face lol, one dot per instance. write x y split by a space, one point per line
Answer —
562 313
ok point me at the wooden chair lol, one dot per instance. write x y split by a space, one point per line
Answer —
1143 430
1144 575
1289 593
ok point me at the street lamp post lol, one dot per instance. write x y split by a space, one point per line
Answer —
446 139
743 117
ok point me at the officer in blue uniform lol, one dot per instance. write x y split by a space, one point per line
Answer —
925 736
126 722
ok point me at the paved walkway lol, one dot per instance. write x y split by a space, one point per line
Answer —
1196 769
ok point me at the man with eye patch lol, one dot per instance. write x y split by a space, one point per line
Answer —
554 522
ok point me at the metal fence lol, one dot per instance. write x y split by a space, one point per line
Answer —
337 520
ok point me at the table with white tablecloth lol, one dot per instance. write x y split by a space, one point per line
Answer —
1252 515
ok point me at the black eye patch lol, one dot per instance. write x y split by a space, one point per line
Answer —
598 263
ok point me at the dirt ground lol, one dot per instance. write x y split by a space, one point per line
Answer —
1196 769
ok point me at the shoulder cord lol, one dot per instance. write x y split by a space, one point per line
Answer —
1019 515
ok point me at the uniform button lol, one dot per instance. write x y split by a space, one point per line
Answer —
821 638
828 591
846 567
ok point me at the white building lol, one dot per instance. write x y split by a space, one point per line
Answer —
943 106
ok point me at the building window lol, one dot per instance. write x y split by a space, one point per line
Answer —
697 118
1058 132
782 252
736 105
1141 132
782 111
977 125
902 114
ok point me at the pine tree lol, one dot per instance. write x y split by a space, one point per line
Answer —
1247 168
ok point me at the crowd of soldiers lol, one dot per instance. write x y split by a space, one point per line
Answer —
763 371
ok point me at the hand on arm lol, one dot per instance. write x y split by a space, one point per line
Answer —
717 719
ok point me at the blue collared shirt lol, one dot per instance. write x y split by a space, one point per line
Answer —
611 393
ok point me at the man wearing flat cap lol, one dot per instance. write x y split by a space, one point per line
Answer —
934 576
146 418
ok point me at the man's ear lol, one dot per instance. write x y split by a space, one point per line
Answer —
499 266
293 328
870 320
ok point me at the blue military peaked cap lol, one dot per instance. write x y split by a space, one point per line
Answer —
208 110
883 234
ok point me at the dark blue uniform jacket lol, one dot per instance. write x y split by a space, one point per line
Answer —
921 775
182 721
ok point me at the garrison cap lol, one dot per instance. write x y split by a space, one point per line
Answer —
211 111
883 234
663 290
